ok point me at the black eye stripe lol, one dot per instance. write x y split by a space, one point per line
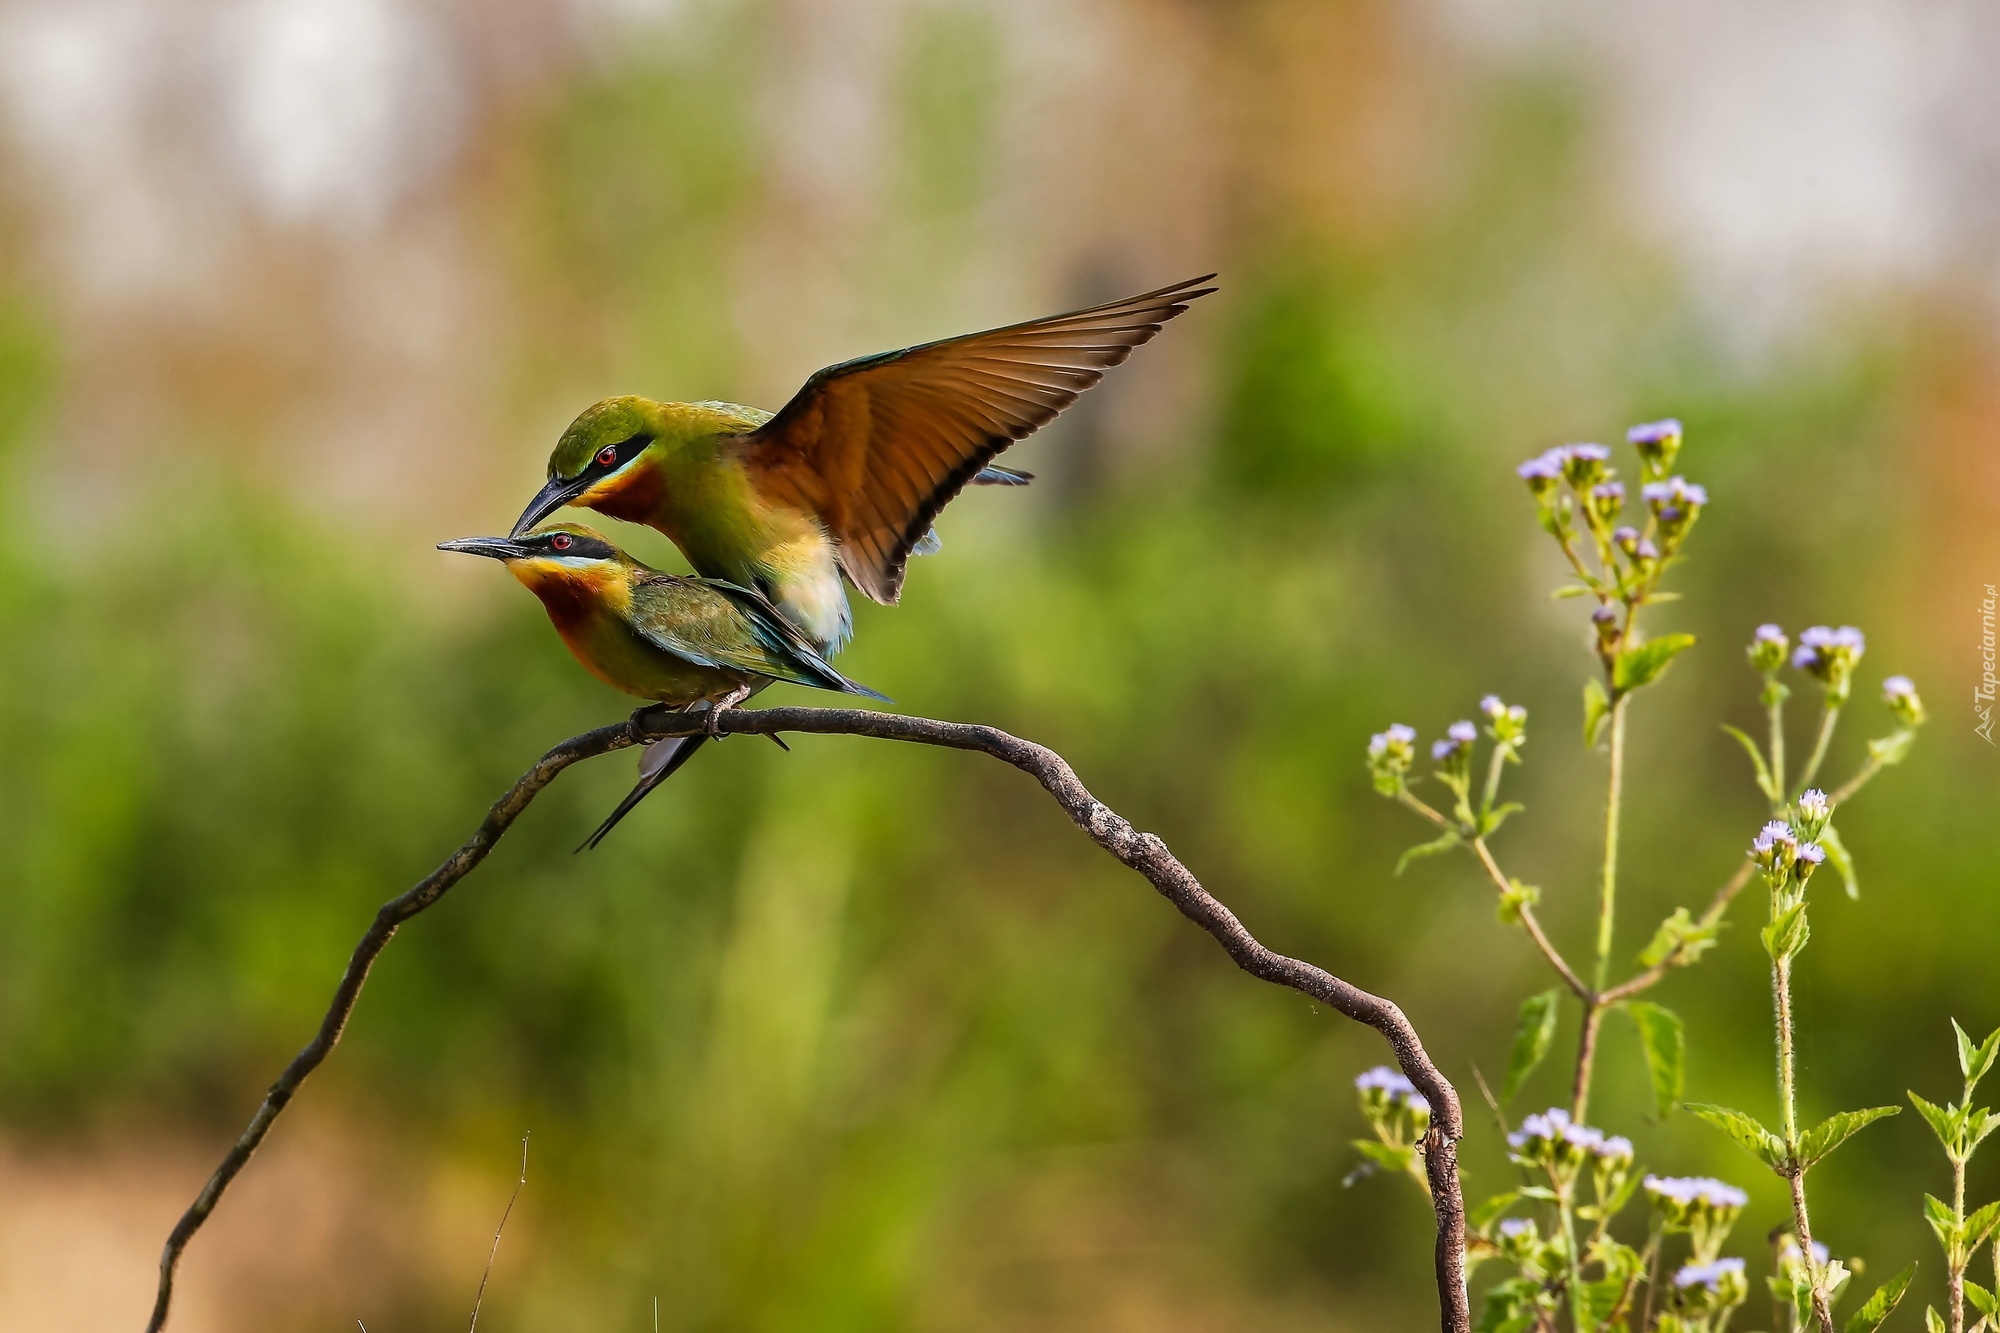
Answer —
619 448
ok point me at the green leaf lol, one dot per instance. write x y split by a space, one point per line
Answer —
1879 1305
1572 590
1765 782
1482 1216
1751 1136
1981 1223
1784 937
1515 899
1933 1321
1596 708
1497 816
1392 1159
1838 857
1533 1032
1942 1122
1665 1043
1600 1298
1944 1222
1974 1061
1982 1299
1641 665
1678 938
1836 1129
1437 846
1893 749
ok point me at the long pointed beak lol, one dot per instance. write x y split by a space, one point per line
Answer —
559 492
494 548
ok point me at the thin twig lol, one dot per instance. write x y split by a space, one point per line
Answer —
494 1253
391 915
1142 852
1528 919
1717 905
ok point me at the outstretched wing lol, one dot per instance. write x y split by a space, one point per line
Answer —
877 446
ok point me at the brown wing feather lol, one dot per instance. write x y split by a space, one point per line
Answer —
876 447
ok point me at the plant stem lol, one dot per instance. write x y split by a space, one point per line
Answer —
1586 1057
1869 768
1828 716
1781 986
1533 925
1776 711
1608 892
1955 1280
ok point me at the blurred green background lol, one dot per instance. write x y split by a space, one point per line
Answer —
866 1037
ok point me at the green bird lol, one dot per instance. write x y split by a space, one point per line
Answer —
687 642
845 479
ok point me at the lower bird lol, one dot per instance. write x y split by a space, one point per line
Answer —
687 642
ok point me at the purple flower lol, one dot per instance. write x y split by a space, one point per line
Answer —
1544 1128
1515 1227
1392 1088
1901 696
1462 732
1443 750
1768 634
1654 432
1543 471
1813 806
1583 464
1615 1152
1647 551
1710 1275
1830 654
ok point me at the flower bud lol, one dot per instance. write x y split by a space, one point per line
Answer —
1811 813
1811 856
1453 753
1768 647
1676 503
1509 724
1606 499
1520 1240
1543 471
1583 465
1390 754
1712 1287
1901 696
1626 539
1605 618
1657 443
1830 655
1775 849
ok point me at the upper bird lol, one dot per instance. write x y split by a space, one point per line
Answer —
847 477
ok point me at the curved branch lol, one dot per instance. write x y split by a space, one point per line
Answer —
1143 852
391 915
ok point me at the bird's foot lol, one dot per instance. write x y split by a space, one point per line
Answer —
719 706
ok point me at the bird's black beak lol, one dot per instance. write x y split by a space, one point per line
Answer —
559 492
493 548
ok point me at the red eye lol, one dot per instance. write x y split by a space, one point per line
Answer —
561 541
607 455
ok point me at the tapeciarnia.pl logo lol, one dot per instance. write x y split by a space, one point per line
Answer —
1982 693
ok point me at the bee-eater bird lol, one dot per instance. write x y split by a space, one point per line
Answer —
847 477
682 641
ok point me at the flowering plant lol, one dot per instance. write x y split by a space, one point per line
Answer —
1575 1262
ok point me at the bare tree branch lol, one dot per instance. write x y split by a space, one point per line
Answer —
1142 852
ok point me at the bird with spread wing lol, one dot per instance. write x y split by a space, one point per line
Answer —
846 479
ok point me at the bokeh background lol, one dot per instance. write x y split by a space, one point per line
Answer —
870 1038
